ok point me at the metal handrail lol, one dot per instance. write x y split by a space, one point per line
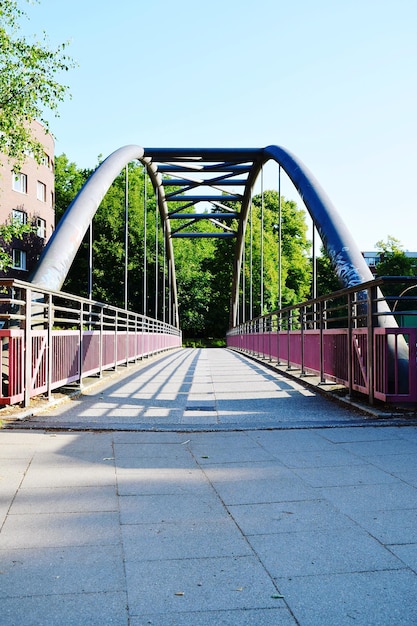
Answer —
94 335
374 341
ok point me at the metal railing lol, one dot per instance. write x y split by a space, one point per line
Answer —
50 339
363 337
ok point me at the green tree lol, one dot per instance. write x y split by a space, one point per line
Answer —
28 84
9 231
68 181
219 268
295 271
393 260
327 279
194 283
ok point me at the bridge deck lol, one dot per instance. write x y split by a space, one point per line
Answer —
192 389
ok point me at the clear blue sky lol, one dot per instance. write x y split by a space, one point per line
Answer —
334 81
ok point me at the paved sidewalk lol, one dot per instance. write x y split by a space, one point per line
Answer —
204 523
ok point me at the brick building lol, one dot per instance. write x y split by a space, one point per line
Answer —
28 197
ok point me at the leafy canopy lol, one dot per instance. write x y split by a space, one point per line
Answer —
393 260
9 231
29 84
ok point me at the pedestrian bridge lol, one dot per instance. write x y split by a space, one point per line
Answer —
54 339
363 337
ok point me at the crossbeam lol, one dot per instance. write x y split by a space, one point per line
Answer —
205 198
203 216
218 235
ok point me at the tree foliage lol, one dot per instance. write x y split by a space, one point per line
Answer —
295 274
29 84
9 231
393 260
327 279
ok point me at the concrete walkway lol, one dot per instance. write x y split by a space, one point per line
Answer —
203 489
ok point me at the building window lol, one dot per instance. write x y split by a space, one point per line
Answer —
19 216
45 160
41 227
18 259
20 183
41 191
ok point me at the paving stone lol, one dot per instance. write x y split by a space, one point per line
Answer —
94 609
246 484
170 508
349 499
245 617
65 500
288 517
390 526
60 529
346 475
74 569
319 458
160 481
371 598
184 540
207 584
319 552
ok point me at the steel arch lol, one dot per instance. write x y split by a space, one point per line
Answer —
218 170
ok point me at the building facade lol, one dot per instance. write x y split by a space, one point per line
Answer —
29 197
372 258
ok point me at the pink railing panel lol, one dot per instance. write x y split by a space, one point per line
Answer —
302 350
91 352
335 355
65 367
399 384
39 378
12 366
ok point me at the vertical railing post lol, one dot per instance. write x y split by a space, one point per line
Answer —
101 339
127 324
270 325
350 346
28 346
371 299
142 337
288 338
81 345
136 337
116 324
277 331
49 347
302 338
321 327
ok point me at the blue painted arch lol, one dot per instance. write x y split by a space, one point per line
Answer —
60 252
